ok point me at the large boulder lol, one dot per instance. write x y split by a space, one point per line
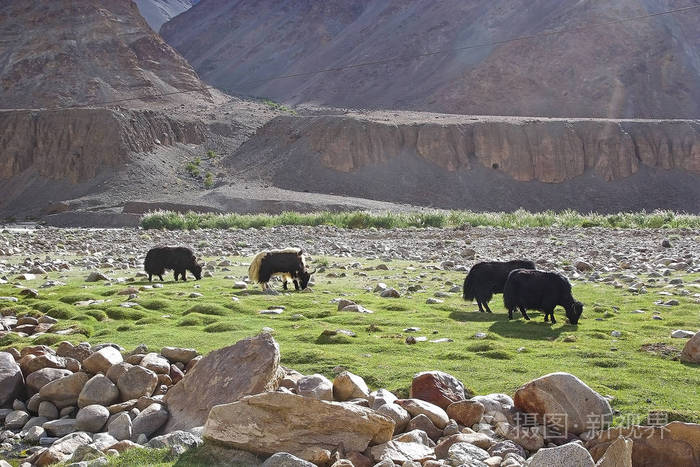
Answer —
98 390
676 444
11 379
691 350
437 387
250 366
64 392
308 428
577 407
567 455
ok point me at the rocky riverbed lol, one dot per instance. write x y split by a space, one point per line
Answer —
83 403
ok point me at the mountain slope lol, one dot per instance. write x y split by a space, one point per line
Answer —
642 69
62 52
157 12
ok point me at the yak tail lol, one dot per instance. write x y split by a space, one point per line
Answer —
468 291
254 268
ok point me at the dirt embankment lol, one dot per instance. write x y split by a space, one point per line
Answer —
75 144
455 161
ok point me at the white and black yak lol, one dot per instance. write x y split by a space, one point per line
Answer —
488 278
540 290
178 258
290 263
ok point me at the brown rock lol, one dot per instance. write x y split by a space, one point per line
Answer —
305 427
189 365
64 392
437 387
358 459
62 449
466 412
98 390
40 378
116 371
676 444
136 382
691 350
125 445
176 374
122 407
47 360
155 363
423 423
79 352
250 366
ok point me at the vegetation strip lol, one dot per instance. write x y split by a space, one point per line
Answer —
363 220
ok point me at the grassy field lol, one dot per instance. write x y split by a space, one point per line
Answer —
513 352
362 220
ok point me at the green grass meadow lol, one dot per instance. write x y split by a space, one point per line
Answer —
513 352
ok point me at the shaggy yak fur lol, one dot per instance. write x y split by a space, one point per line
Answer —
488 278
179 259
540 290
289 263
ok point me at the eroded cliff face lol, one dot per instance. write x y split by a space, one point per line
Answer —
544 150
75 144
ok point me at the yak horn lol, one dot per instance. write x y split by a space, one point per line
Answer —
312 271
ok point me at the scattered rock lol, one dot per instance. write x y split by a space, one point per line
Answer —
91 418
691 350
316 386
466 412
437 387
570 454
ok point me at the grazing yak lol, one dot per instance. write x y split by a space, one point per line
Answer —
289 263
179 258
540 290
487 278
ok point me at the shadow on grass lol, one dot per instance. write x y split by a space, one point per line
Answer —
475 316
534 329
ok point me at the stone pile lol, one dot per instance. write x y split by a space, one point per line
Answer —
76 395
78 404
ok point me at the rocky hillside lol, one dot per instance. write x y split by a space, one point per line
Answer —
62 52
642 69
492 163
157 12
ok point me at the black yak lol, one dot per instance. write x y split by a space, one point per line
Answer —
540 290
487 278
289 263
178 258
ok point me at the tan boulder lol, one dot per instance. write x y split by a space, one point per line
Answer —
250 366
433 412
618 454
102 360
308 428
676 444
559 394
348 386
691 350
466 412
